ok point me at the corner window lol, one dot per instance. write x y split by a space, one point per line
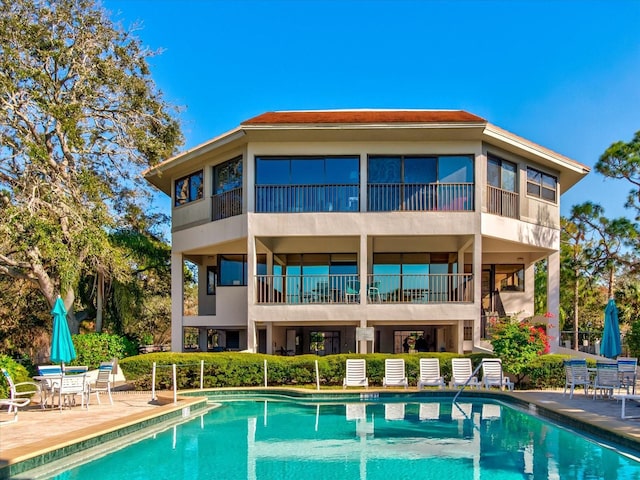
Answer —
501 173
541 185
188 189
232 269
509 278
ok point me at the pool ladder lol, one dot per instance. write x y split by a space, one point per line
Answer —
473 374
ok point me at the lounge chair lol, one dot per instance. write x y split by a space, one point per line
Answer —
576 375
430 373
627 367
394 373
356 374
14 403
462 373
493 376
20 389
606 379
102 383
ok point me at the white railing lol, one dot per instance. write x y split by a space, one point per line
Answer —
420 197
346 289
502 202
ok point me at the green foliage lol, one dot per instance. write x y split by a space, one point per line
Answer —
633 339
545 371
18 373
93 348
517 344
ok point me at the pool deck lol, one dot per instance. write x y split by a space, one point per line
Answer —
40 431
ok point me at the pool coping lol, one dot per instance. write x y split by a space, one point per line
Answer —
36 454
189 402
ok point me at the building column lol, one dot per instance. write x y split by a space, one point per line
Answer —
477 287
553 299
177 299
252 342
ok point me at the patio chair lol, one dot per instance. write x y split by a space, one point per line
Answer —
493 376
606 379
20 389
352 291
69 387
14 403
627 367
48 375
394 373
102 383
356 374
462 373
430 373
576 375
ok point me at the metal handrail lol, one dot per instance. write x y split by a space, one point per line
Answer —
474 373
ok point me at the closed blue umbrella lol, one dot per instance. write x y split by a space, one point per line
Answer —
610 346
62 349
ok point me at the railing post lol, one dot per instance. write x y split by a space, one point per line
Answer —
153 382
201 374
265 372
317 376
175 385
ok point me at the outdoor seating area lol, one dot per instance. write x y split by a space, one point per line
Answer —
607 377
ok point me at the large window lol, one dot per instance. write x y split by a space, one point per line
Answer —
227 176
397 182
307 184
541 185
188 189
501 173
232 269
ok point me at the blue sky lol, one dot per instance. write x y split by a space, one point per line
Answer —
564 74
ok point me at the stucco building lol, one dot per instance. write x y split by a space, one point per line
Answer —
342 231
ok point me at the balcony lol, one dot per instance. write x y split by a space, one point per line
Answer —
503 202
345 289
307 198
226 204
420 197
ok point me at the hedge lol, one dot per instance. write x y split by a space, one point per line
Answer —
227 369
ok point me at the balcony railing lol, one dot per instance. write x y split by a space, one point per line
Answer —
345 289
502 202
420 197
226 204
307 198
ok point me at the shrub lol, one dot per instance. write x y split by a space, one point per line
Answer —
93 348
18 373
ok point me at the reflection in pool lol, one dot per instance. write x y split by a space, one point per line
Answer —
409 440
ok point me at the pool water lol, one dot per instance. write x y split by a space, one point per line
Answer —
391 441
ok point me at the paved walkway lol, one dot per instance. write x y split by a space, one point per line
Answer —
38 430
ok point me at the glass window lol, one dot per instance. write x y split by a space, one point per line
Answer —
308 171
385 169
191 337
188 189
212 275
455 169
509 278
344 170
420 170
227 176
501 173
272 171
232 269
542 185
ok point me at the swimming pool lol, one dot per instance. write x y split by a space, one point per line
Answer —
409 439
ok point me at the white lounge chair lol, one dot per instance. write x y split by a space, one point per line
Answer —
462 373
102 383
430 373
356 374
493 375
394 373
20 389
576 375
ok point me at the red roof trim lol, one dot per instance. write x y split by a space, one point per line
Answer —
365 117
